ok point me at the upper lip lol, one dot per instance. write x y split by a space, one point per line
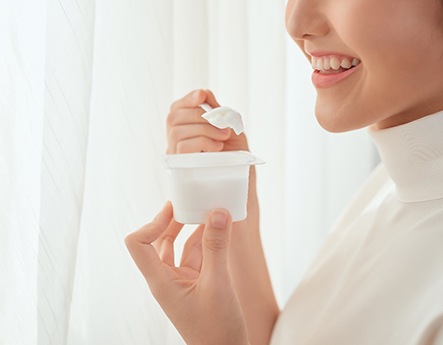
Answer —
320 53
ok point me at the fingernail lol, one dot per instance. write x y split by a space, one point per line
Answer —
219 219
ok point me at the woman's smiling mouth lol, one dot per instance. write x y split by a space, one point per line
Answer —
329 69
332 64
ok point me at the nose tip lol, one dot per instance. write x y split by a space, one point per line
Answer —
304 19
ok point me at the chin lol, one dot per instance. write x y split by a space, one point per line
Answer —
338 121
334 123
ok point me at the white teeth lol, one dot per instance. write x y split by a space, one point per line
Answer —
345 63
325 63
335 64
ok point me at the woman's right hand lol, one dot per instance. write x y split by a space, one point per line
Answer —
197 296
188 132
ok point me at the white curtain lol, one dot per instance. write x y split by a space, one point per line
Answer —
85 88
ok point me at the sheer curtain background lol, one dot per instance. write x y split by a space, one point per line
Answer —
85 90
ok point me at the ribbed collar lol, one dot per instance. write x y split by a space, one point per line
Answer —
413 156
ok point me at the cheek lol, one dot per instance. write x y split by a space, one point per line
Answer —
396 28
390 47
371 23
288 20
362 27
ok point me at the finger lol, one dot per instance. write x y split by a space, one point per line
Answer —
185 116
166 242
210 99
192 250
191 100
215 242
139 244
199 144
195 98
183 132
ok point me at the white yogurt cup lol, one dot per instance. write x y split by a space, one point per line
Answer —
200 182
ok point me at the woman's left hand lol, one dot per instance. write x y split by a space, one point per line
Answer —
198 296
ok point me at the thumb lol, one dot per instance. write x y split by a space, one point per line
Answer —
215 244
210 99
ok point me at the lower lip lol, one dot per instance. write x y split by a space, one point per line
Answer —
328 80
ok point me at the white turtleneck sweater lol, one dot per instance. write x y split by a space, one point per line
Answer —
378 279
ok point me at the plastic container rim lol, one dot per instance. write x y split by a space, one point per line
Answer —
197 159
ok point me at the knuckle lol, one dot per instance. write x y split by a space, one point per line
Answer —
182 147
218 145
171 118
215 244
169 239
129 239
175 104
173 134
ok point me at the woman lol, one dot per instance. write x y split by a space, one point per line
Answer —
379 277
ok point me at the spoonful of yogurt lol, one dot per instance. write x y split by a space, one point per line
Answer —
223 117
